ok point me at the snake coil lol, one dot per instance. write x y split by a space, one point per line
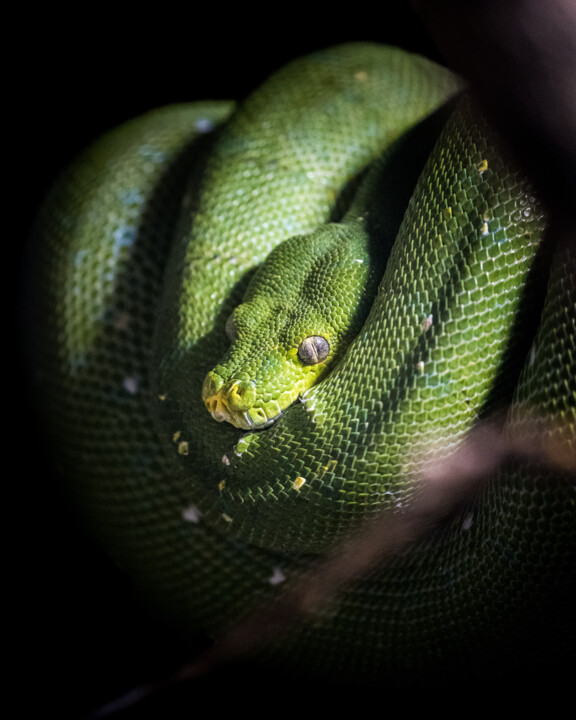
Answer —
148 243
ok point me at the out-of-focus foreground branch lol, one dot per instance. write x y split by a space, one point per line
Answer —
445 486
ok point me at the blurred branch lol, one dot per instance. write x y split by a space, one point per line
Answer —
444 487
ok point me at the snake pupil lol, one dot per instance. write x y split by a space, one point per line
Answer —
313 350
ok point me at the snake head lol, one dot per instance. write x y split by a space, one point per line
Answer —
301 310
255 400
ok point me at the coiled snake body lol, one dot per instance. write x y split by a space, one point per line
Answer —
138 267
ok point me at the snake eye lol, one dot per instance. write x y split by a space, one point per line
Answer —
313 350
231 331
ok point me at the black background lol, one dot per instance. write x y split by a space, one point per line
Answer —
81 639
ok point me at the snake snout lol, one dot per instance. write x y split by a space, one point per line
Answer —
231 400
239 394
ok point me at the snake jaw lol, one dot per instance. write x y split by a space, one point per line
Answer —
234 402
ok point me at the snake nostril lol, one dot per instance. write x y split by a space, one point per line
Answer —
240 394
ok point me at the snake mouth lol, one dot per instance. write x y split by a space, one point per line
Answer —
235 402
220 411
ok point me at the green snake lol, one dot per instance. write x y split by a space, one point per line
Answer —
233 386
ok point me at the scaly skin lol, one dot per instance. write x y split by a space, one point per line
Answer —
206 518
310 298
